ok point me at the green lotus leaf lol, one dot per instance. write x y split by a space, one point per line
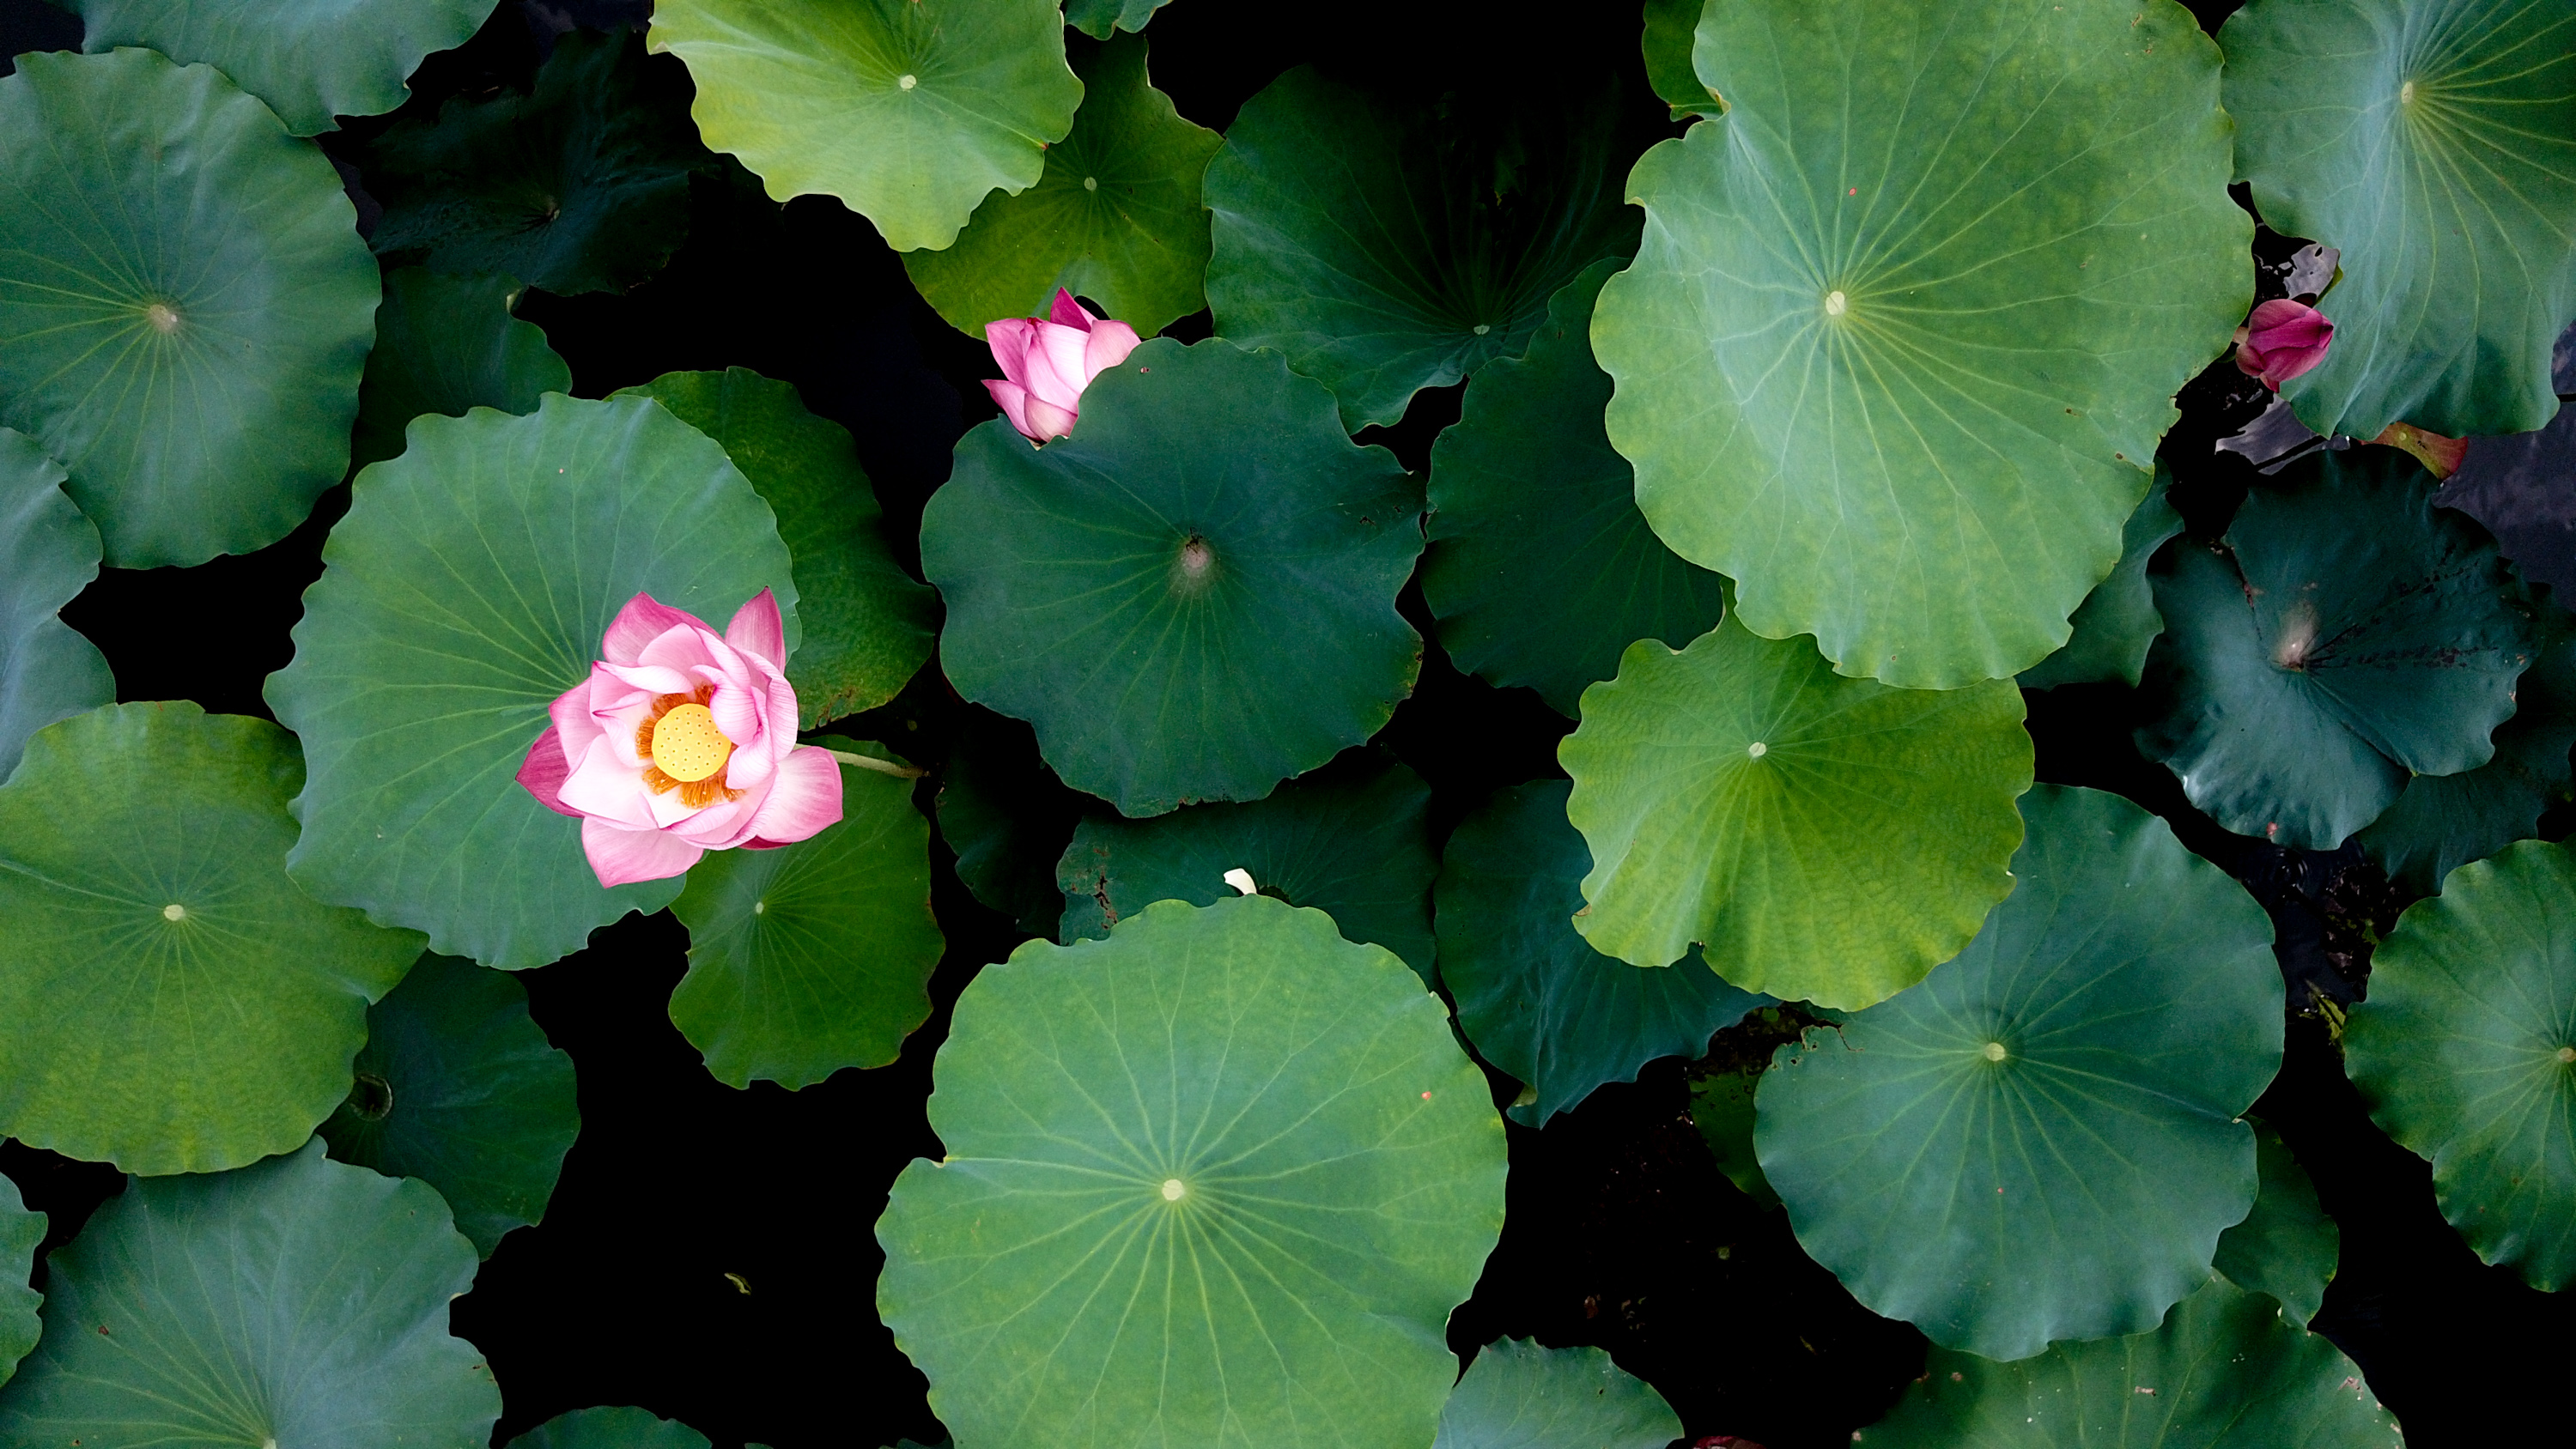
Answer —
1517 1395
447 345
1722 1108
470 584
2434 142
2466 1052
185 305
1671 26
294 1301
1115 218
1354 843
2117 622
2226 1371
310 60
1095 17
1008 818
2350 633
611 1428
1218 1180
868 624
1907 320
1387 247
2042 1140
459 1087
1822 838
909 111
21 1234
579 186
2286 1246
169 1001
1535 998
1193 596
817 955
1540 568
48 554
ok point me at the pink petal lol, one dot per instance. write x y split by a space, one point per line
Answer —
805 798
1109 345
739 715
643 620
543 772
757 629
1009 339
1046 420
688 649
603 785
646 679
1013 399
574 728
1066 312
623 857
1055 366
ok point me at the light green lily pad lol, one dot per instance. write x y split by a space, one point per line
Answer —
294 1301
1541 569
468 586
1193 596
2118 621
1671 27
2226 1371
1907 320
48 554
185 305
817 955
21 1233
1822 838
310 60
2434 142
1008 818
2353 633
169 1000
868 624
2286 1246
460 1088
2042 1140
1095 17
1517 1395
1115 218
1218 1180
611 1428
909 111
1535 998
447 345
1387 247
2466 1052
1353 842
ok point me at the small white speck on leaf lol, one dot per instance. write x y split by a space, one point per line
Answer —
1836 303
1994 1051
174 912
1174 1189
1757 749
907 82
1091 183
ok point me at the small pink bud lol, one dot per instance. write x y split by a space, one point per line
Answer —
1047 361
2281 340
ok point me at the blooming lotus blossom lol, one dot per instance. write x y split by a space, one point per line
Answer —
1047 362
682 741
2281 340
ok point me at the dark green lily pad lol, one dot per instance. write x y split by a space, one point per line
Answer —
2043 1141
310 60
580 186
460 1088
21 1233
1722 1108
2118 620
1517 1395
294 1301
48 554
2466 1052
1351 841
1541 569
1671 27
611 1428
1095 17
448 345
169 1001
1008 818
2286 1246
868 624
1537 1000
1193 596
1115 218
2351 634
1388 246
817 955
185 305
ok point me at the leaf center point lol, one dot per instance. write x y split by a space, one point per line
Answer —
1994 1051
1757 749
907 82
1836 303
1174 1189
163 317
174 912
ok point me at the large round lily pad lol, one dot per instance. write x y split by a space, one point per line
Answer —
460 1088
2434 142
169 1000
1537 1000
1541 569
2042 1140
48 554
468 586
1193 596
611 1428
185 305
2349 634
1217 1180
1908 319
1517 1395
294 1301
1824 839
2466 1052
909 111
1388 246
448 345
310 60
21 1233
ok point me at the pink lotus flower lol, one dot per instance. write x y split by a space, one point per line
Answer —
2281 340
682 741
1047 363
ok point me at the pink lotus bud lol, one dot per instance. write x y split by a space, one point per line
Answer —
2281 340
1047 362
682 741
